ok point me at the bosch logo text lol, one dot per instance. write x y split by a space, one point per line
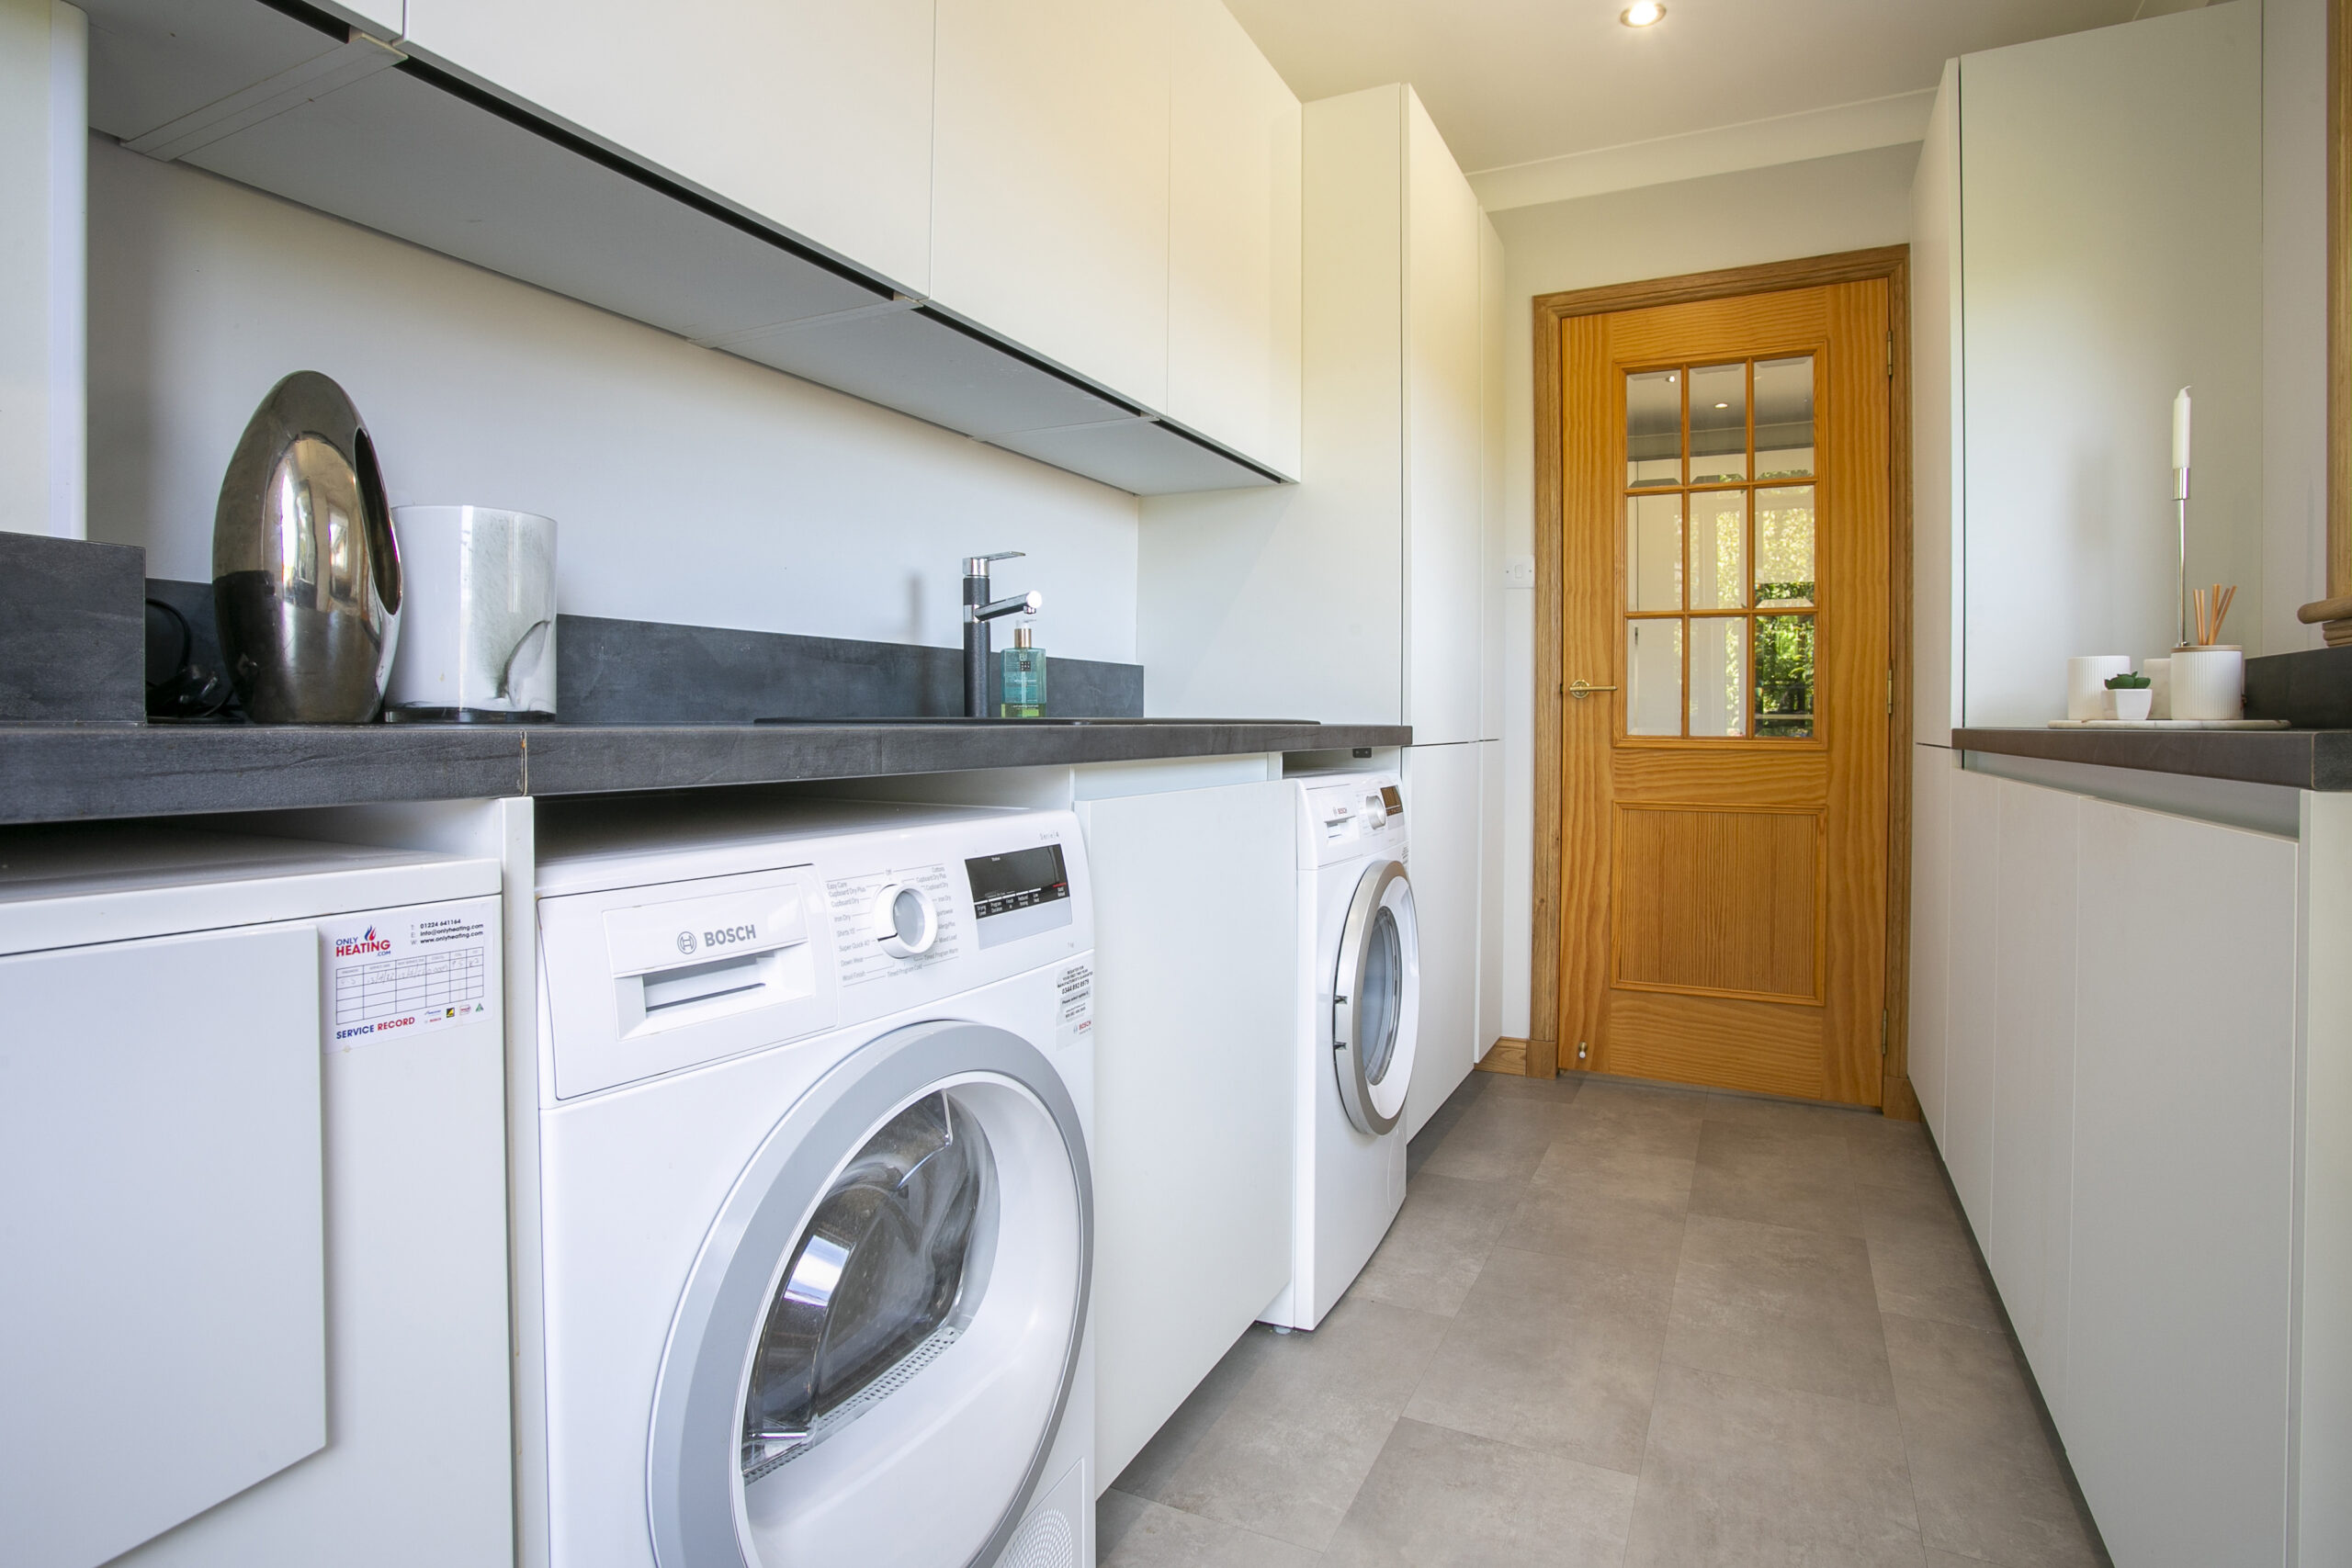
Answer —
727 936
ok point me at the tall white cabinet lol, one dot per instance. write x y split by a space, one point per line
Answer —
1358 595
1369 592
2088 238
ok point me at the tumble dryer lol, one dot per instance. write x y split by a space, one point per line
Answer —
804 1204
1359 994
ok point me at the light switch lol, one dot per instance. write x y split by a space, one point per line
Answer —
1519 571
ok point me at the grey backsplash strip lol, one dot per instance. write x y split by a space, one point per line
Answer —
612 672
72 637
615 672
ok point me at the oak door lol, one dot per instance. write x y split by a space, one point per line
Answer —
1726 691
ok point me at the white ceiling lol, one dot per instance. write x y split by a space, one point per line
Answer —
1512 81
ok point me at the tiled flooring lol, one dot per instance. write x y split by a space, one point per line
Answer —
1617 1325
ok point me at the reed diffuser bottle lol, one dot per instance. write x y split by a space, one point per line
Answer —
1023 694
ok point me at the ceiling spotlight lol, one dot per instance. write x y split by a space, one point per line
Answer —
1723 405
1643 14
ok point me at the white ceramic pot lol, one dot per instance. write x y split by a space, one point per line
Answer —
2129 703
2209 683
2087 682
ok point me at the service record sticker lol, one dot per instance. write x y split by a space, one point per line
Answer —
400 974
1074 1015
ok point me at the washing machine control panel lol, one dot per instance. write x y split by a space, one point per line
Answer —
1360 815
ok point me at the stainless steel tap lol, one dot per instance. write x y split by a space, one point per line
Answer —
979 611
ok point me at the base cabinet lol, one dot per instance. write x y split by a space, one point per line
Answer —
2176 1405
1441 788
1195 999
2105 1047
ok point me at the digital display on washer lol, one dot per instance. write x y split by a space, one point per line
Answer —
1019 894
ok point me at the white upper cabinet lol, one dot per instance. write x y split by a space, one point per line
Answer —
1233 239
1049 214
814 116
1443 449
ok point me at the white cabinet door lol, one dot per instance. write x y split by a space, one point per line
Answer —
2176 1408
1444 440
161 1196
816 117
1049 209
1491 923
1966 1134
1195 1005
1441 790
1233 238
2033 1074
1933 768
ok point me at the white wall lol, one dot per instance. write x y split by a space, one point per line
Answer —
2110 191
43 48
2294 316
690 485
1816 207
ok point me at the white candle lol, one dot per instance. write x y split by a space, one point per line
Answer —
2180 429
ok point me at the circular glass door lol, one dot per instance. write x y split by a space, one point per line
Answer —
872 1293
875 1350
1375 998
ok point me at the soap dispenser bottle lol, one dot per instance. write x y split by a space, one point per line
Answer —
1024 677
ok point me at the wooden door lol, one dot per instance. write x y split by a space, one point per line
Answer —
1726 690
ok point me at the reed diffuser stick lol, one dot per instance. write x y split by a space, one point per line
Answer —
2221 608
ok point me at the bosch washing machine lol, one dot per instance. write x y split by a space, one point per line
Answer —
805 1207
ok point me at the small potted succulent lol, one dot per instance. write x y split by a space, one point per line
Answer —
2128 697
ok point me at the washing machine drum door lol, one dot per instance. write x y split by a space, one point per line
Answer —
875 1349
1376 999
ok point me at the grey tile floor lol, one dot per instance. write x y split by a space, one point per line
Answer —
1623 1325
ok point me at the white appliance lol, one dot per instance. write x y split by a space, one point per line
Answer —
253 1202
805 1204
1359 1017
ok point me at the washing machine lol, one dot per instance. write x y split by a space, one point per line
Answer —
804 1198
1359 992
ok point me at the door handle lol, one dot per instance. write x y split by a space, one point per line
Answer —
1580 689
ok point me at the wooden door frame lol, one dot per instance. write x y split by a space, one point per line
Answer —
1892 263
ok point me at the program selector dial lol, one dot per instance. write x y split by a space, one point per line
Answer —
904 920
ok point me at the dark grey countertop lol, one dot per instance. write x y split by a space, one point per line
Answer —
68 773
2298 759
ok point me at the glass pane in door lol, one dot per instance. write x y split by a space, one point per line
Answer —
1784 419
1718 675
1718 423
1785 556
1383 994
1654 552
873 1285
1653 677
1653 429
1785 676
1719 550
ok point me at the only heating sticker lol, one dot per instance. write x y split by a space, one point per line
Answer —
1074 1020
398 976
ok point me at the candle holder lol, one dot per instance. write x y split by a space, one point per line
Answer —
2180 512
